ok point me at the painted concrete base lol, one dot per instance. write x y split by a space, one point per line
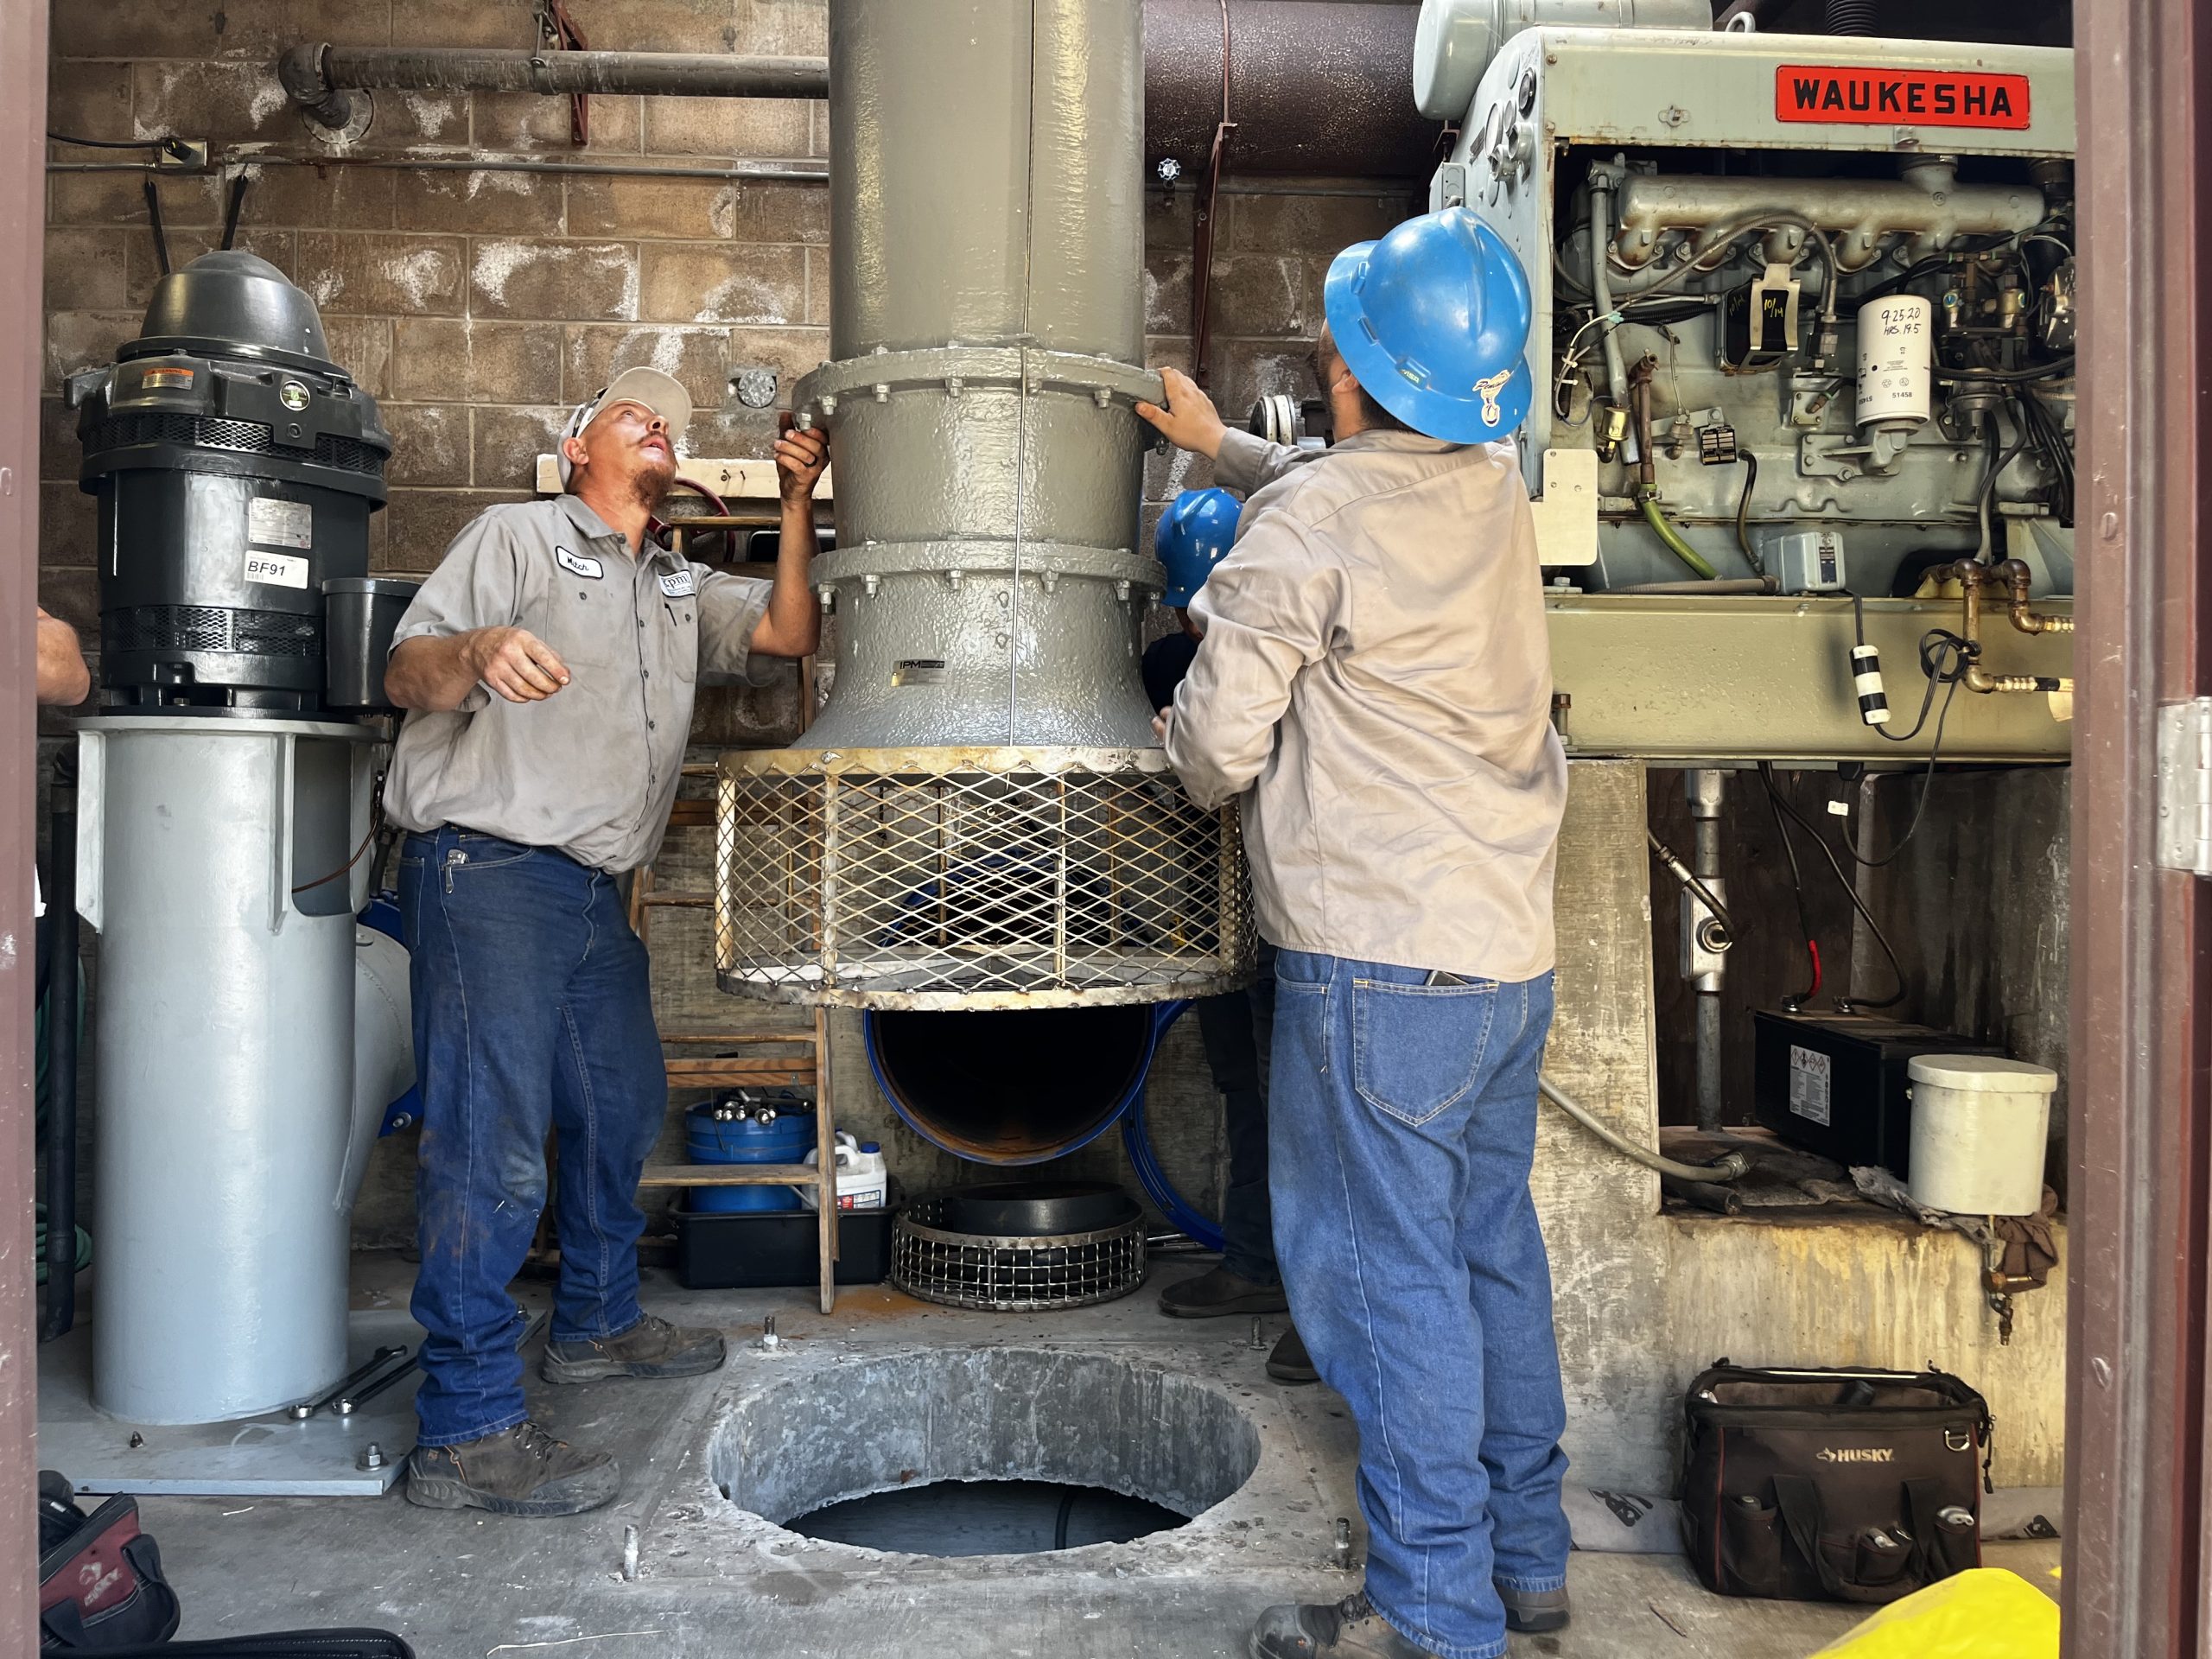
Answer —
713 1580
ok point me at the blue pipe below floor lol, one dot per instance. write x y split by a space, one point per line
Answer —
936 1079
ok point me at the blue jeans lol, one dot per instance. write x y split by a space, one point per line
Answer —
1404 1123
532 1012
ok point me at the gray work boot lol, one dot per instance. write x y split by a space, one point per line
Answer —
1351 1629
1220 1292
652 1347
520 1470
1533 1610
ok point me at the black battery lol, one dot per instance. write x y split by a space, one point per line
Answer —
1837 1083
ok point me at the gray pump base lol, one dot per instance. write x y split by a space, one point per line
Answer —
266 1457
225 1042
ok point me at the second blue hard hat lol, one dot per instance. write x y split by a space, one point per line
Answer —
1432 319
1194 535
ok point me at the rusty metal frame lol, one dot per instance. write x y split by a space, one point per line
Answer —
22 235
2135 1577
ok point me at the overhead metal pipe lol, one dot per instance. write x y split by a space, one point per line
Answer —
317 75
1319 86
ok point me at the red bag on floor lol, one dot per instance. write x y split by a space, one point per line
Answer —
100 1578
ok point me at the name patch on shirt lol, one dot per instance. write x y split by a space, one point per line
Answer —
682 585
581 565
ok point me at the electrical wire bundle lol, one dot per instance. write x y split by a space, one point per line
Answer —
2049 438
1783 809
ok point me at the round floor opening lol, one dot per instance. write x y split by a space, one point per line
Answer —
987 1517
975 1451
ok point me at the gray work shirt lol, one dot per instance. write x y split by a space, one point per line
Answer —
1375 684
592 769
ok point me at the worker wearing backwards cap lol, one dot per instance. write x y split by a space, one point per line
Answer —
1374 686
549 667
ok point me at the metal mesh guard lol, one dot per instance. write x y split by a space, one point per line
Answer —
1013 1274
974 878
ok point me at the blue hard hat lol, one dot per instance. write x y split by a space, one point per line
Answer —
1433 319
1194 536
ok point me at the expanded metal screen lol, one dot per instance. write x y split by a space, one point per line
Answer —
1013 1275
974 878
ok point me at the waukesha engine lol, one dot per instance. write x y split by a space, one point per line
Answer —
1811 304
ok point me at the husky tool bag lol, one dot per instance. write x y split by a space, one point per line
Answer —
100 1578
1838 1485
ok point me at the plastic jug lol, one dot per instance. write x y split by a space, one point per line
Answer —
863 1179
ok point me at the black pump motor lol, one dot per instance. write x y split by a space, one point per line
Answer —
236 466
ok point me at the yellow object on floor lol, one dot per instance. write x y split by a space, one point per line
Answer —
1984 1614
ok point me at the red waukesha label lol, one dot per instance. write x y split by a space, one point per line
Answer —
1909 97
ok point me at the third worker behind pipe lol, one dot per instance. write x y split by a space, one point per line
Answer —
1195 534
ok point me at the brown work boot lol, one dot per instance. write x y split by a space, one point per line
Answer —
652 1347
1349 1629
520 1470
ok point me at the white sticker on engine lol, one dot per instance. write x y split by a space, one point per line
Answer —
277 569
1808 1084
271 522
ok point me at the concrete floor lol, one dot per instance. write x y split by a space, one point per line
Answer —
715 1580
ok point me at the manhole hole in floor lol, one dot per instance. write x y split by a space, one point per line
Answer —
987 1517
972 1451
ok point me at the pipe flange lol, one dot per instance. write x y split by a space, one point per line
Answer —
1057 559
953 370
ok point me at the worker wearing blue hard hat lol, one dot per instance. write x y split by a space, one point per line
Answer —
1194 535
1373 688
1433 319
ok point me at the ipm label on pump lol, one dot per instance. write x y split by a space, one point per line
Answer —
1858 95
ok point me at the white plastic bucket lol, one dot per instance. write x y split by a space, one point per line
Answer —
1979 1125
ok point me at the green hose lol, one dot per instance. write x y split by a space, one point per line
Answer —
1673 537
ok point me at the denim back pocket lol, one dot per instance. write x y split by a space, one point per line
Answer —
1416 1050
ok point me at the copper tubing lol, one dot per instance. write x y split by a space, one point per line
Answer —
1973 576
2017 576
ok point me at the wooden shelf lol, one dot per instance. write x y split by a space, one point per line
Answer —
807 1067
731 1175
740 1074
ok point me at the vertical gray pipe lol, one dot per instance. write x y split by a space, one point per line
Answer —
988 330
1707 791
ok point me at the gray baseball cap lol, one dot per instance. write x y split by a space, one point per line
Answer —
661 393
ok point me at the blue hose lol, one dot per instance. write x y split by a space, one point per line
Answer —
1137 1139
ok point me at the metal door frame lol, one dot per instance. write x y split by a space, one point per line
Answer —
22 239
2135 1549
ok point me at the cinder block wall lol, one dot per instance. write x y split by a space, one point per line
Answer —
478 305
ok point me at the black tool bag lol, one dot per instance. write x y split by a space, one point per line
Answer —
100 1578
1835 1485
